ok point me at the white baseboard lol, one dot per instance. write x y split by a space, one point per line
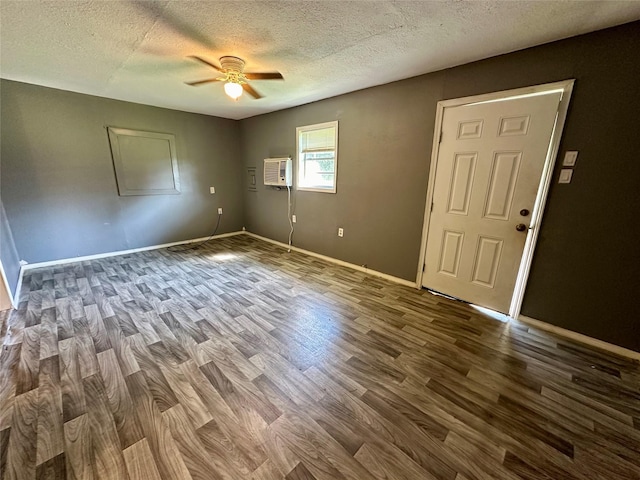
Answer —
353 266
63 261
579 337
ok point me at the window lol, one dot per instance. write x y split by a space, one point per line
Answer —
317 147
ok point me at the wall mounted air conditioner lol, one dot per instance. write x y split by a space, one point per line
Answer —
277 172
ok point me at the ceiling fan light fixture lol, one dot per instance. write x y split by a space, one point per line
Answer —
234 90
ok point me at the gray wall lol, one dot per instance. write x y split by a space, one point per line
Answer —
58 182
8 252
384 139
584 274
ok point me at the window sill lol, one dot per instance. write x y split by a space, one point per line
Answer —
317 190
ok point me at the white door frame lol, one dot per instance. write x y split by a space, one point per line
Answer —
7 300
566 87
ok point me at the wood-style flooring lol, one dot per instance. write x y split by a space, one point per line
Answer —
241 361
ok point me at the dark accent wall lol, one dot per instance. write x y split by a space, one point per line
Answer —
585 271
8 253
58 183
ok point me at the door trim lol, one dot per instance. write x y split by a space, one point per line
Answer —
5 294
566 87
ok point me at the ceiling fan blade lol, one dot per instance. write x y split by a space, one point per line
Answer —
201 82
264 76
206 62
249 89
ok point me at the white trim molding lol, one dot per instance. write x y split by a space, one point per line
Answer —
63 261
580 338
4 284
353 266
16 295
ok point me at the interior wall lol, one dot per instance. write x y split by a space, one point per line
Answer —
384 134
584 274
8 253
58 182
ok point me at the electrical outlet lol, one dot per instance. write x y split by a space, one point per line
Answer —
220 211
294 218
212 189
341 232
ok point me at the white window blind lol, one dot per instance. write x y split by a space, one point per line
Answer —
317 157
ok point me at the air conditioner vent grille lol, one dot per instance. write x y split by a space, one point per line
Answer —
277 172
271 172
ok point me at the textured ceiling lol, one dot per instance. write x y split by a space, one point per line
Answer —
136 51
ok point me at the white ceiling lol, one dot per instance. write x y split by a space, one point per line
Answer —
136 51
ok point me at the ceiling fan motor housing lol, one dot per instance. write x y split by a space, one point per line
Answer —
232 64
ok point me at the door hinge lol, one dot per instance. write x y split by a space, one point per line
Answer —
424 265
440 141
431 207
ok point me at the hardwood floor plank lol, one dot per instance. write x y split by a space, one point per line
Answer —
107 450
27 371
140 462
53 469
322 454
78 442
4 447
121 347
501 417
73 398
48 333
440 464
193 406
87 358
162 393
22 449
118 400
249 416
9 358
224 453
96 328
266 471
300 472
195 456
50 440
477 460
165 453
390 463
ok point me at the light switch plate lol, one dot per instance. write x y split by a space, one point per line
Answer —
565 175
294 219
212 189
570 159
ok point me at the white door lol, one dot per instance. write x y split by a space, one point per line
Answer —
488 172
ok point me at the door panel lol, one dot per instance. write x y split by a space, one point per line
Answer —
502 183
489 167
461 183
450 253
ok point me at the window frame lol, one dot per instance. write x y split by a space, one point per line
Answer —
300 161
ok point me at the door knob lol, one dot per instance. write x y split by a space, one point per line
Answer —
524 212
521 227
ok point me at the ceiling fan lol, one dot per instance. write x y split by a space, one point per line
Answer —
234 78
